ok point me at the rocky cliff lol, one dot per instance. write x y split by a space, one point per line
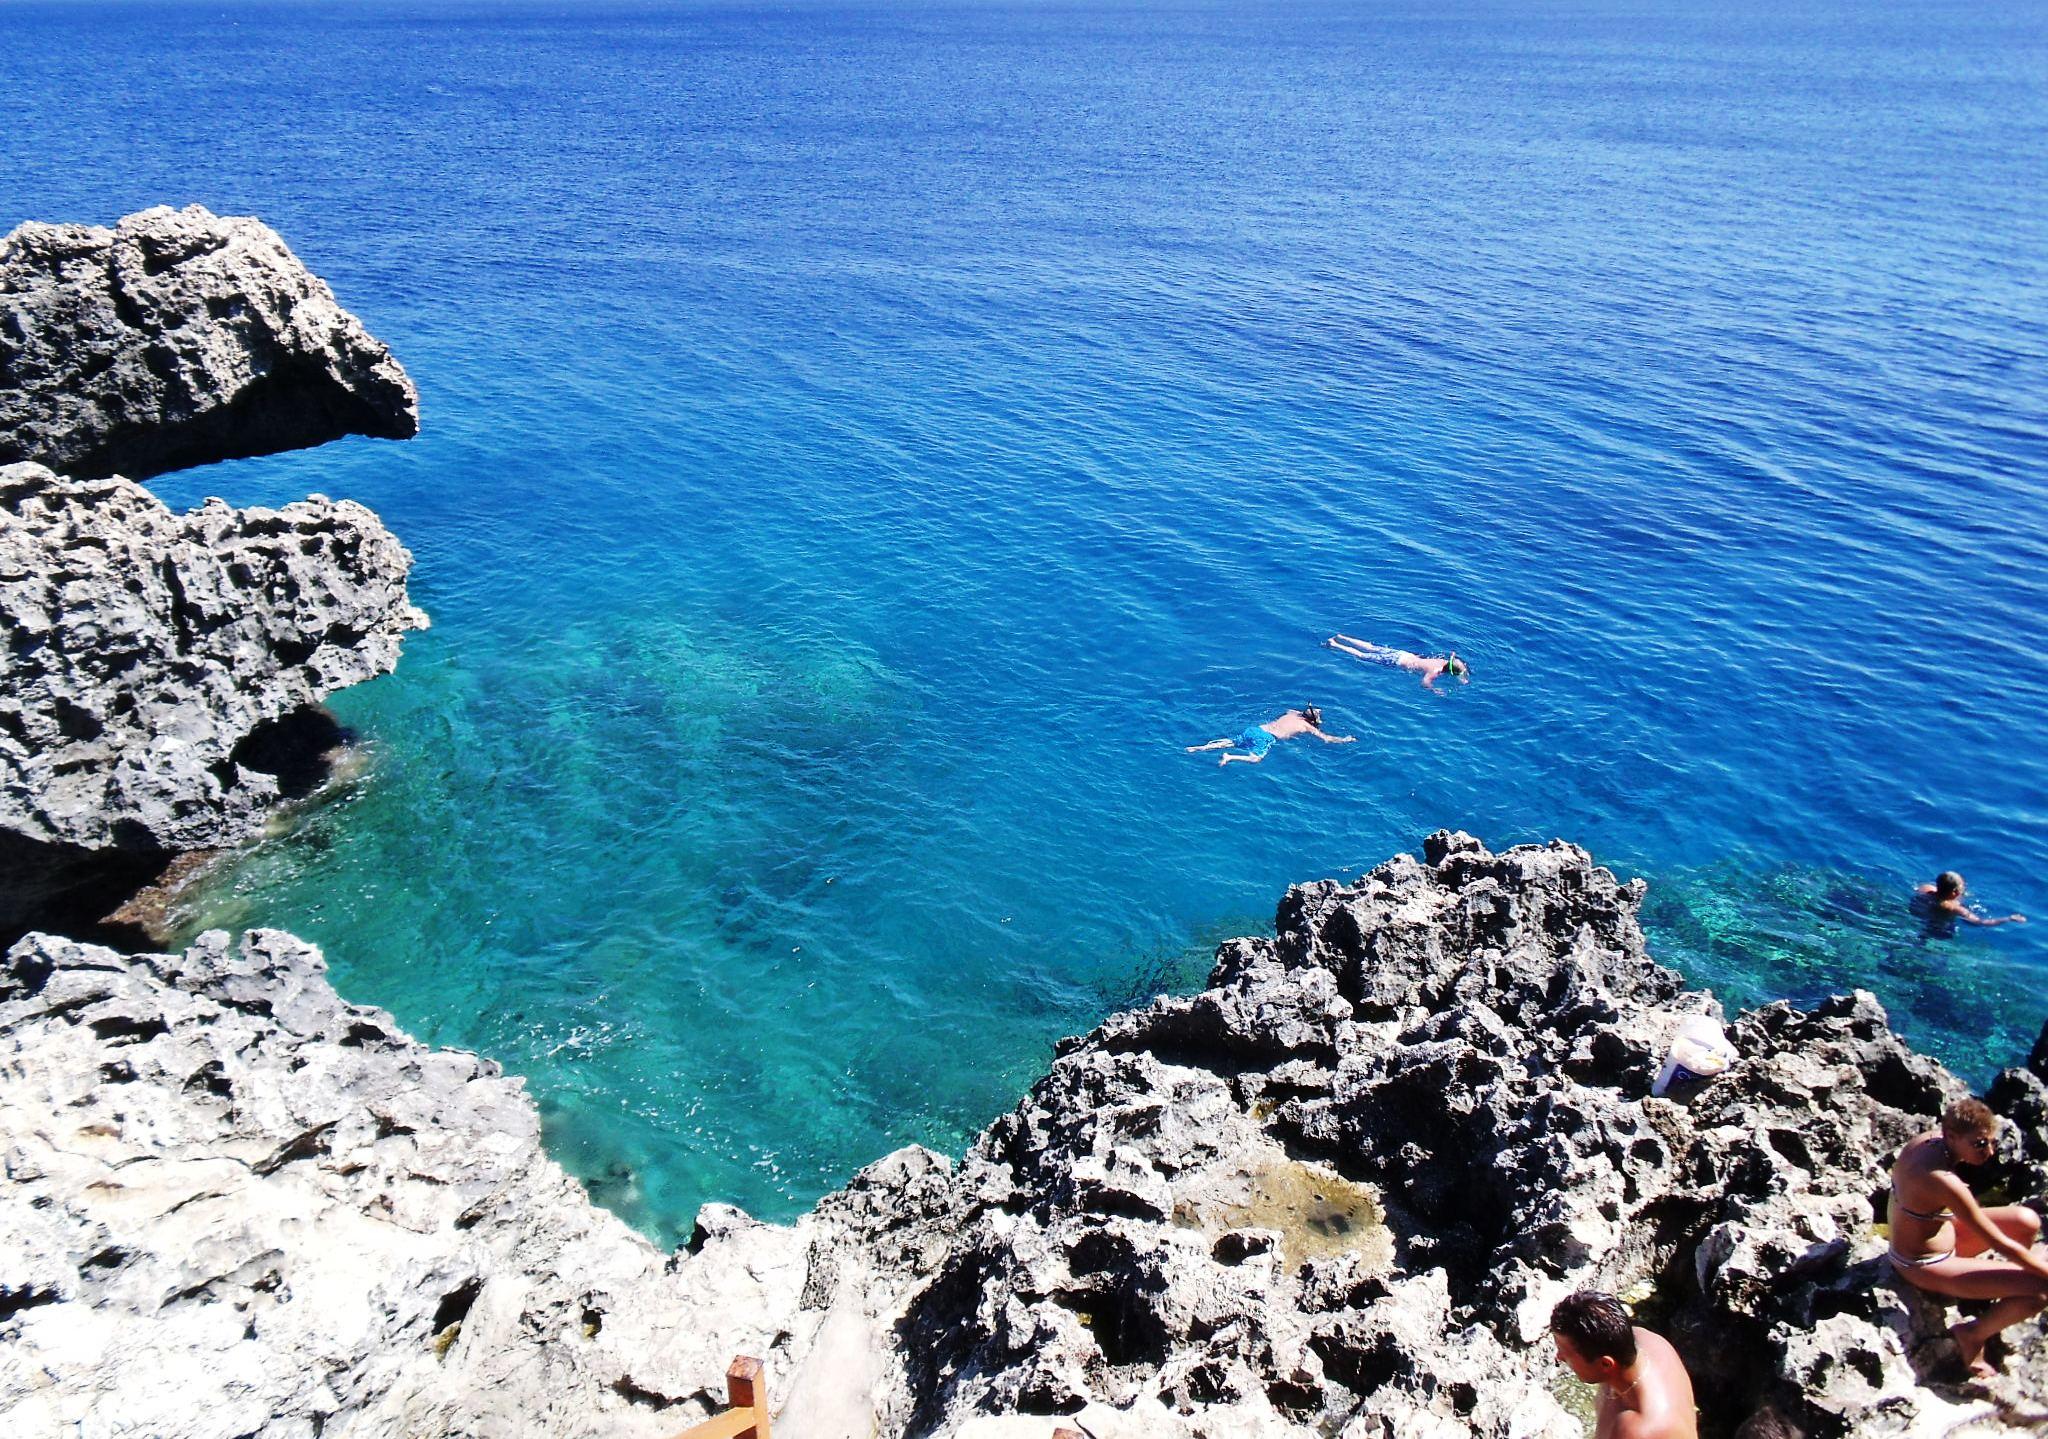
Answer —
179 338
1336 1192
160 672
157 664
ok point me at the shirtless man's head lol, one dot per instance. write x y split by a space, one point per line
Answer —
1768 1423
1645 1391
1594 1337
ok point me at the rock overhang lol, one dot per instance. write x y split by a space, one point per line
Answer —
179 338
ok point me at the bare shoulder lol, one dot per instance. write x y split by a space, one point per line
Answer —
1660 1351
1916 1157
1667 1409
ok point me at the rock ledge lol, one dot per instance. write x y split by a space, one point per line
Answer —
1334 1193
179 338
157 664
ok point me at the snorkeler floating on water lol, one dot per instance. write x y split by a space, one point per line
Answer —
1428 666
1261 738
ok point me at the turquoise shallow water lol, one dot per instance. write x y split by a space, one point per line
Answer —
864 444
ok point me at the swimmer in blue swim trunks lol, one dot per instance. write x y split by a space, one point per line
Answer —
1260 738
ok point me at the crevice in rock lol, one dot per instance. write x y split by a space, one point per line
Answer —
75 722
305 1146
456 1304
640 1397
1902 1086
15 1298
212 1078
184 616
934 1343
124 1029
68 890
297 750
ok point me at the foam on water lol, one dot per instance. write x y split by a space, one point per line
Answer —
863 446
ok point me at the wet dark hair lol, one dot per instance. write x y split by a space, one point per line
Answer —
1597 1325
1948 884
1313 715
1767 1423
1969 1116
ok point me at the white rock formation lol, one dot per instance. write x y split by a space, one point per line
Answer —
1335 1193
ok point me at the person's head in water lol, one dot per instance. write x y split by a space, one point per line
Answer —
1313 715
1948 885
1970 1130
1455 666
1593 1335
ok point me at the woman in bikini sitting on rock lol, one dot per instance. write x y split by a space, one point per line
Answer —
1945 1243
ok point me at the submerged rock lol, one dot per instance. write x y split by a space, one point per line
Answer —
1334 1193
179 338
160 668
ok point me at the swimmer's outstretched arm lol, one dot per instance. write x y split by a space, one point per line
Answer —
1333 738
1972 917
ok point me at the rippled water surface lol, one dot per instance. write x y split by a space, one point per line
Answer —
863 444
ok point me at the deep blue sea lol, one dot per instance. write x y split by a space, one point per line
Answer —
864 443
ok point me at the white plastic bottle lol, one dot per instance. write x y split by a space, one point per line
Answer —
1699 1050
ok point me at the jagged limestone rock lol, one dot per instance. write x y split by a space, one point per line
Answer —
238 1206
151 655
1336 1192
179 338
159 670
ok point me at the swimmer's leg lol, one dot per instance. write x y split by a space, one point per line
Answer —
1363 650
1212 744
1973 1336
